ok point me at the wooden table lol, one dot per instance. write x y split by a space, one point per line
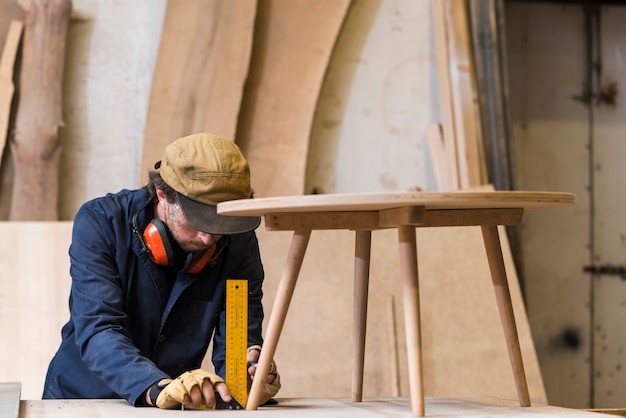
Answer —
364 212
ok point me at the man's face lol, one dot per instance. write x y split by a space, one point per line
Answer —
189 238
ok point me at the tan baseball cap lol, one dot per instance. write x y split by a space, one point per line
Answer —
206 169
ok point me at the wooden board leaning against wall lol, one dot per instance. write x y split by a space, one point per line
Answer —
7 87
292 46
201 68
294 41
9 12
36 147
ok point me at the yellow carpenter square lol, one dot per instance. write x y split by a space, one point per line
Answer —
237 339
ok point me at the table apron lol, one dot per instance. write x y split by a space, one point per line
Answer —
417 216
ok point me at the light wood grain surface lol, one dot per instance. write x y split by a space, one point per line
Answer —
293 43
200 72
307 407
379 201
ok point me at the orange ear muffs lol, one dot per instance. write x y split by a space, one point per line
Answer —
156 238
156 241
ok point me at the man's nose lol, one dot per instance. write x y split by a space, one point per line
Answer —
208 239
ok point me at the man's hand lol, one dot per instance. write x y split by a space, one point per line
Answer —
192 390
254 353
272 383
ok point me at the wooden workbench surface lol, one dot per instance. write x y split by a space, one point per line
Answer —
304 407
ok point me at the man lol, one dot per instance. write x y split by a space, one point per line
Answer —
149 269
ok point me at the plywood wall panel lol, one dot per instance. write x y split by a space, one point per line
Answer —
293 41
200 71
379 95
34 290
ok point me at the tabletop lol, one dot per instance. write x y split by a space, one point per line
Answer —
381 201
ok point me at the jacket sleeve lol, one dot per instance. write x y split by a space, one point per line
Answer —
97 307
248 266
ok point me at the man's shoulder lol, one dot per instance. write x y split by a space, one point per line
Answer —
124 198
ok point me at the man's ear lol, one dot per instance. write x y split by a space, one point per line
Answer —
161 203
161 196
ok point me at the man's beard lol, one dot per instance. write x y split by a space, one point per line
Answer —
193 246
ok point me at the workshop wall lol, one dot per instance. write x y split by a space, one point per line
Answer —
567 75
367 133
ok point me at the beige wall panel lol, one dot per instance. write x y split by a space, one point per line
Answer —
565 144
293 43
608 221
110 55
34 289
378 97
546 54
200 71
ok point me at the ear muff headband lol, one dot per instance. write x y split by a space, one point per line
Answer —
156 238
196 262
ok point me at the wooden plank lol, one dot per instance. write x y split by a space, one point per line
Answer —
9 11
326 220
7 62
448 217
10 399
445 94
36 148
294 40
200 72
437 147
472 167
388 218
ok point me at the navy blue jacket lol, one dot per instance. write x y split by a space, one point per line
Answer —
133 322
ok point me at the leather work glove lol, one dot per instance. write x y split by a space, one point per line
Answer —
272 385
170 394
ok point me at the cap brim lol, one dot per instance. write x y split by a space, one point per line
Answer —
206 219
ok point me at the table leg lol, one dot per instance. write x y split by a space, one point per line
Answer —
503 297
361 285
410 289
286 286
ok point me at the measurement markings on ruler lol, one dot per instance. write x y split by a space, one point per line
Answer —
237 339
